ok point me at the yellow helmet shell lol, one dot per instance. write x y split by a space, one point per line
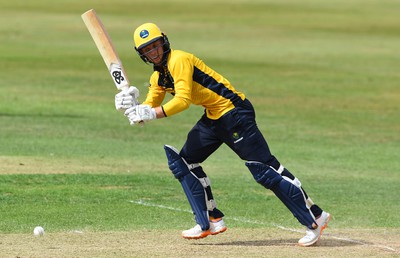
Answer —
146 34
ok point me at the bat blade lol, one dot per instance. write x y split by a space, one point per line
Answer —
106 48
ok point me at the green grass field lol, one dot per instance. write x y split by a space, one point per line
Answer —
323 77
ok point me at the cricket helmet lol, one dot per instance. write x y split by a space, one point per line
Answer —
146 34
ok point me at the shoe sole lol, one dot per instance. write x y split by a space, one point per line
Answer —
202 235
205 234
219 231
320 233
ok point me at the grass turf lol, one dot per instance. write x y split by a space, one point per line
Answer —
322 76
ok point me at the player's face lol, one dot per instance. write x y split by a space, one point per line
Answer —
154 51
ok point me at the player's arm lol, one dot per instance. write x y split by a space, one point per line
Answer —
128 98
155 96
182 72
150 109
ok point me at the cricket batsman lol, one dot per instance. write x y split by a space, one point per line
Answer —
229 118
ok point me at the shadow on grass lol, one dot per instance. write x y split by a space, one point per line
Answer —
288 242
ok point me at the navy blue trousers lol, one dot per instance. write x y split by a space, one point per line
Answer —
237 129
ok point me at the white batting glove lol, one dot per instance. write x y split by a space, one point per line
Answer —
140 113
126 98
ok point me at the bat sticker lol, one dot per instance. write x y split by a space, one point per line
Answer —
118 75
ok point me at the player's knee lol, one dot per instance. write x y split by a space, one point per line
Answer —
175 162
264 174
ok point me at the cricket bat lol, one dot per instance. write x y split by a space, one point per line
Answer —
106 48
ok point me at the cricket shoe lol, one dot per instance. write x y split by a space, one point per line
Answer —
313 235
216 227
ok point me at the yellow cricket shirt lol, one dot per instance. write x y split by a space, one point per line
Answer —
191 81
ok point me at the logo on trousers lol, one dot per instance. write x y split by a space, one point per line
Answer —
236 136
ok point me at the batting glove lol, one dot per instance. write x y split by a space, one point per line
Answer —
126 98
140 113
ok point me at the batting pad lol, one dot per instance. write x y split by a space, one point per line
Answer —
291 195
192 187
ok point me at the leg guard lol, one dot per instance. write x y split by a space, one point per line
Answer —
315 209
191 185
213 212
290 193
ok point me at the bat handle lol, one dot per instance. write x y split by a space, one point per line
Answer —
118 75
123 87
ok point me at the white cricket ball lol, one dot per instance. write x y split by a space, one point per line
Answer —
38 231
